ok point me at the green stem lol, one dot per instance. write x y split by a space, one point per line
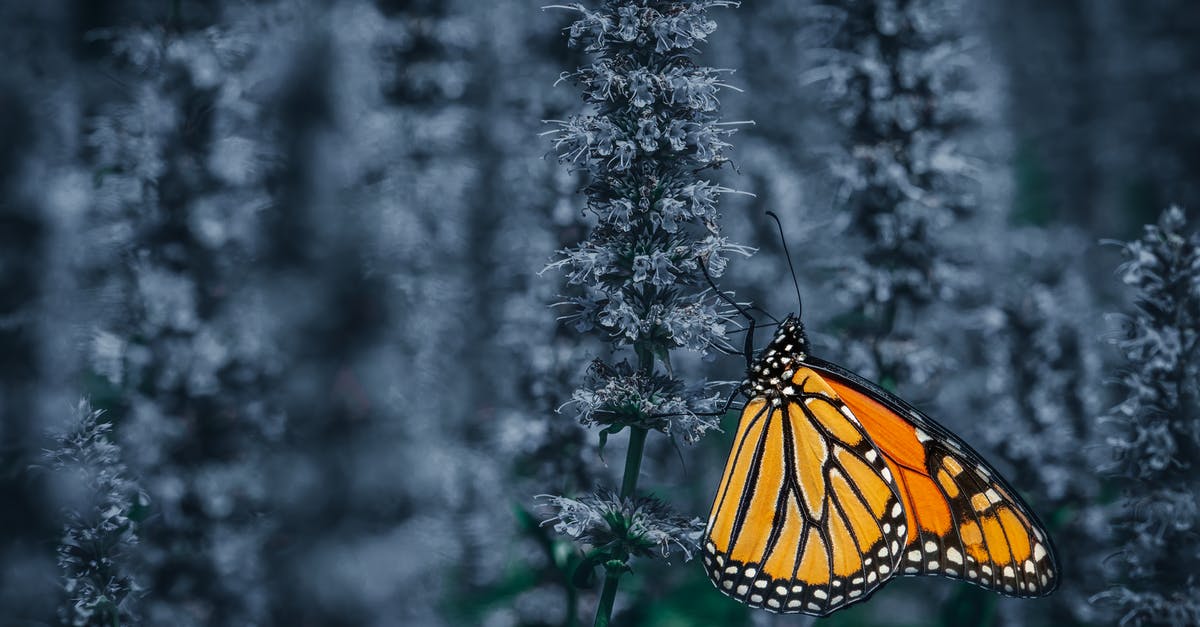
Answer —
633 461
607 596
572 604
633 467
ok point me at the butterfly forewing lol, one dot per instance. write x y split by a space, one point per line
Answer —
964 521
807 517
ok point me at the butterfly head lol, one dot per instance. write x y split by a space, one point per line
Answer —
773 370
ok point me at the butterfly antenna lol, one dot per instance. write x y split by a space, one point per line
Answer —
748 349
792 267
722 295
761 325
766 313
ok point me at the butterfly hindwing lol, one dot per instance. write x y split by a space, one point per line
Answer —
807 517
965 522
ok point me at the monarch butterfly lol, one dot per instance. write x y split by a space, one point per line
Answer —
835 486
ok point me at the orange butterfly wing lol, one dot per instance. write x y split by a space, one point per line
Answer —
964 522
834 486
807 517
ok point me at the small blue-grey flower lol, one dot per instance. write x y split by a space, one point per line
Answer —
641 88
627 28
647 134
623 155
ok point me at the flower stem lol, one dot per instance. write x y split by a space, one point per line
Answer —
633 467
607 596
633 461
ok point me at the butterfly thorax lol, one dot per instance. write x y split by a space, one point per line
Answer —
771 374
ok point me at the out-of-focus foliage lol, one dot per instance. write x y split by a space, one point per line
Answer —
899 83
1156 429
1094 90
1037 384
293 252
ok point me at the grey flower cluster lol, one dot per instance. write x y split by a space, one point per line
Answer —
651 129
1156 440
619 396
99 536
644 525
638 279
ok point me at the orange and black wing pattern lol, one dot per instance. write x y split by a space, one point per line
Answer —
834 486
807 517
964 521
